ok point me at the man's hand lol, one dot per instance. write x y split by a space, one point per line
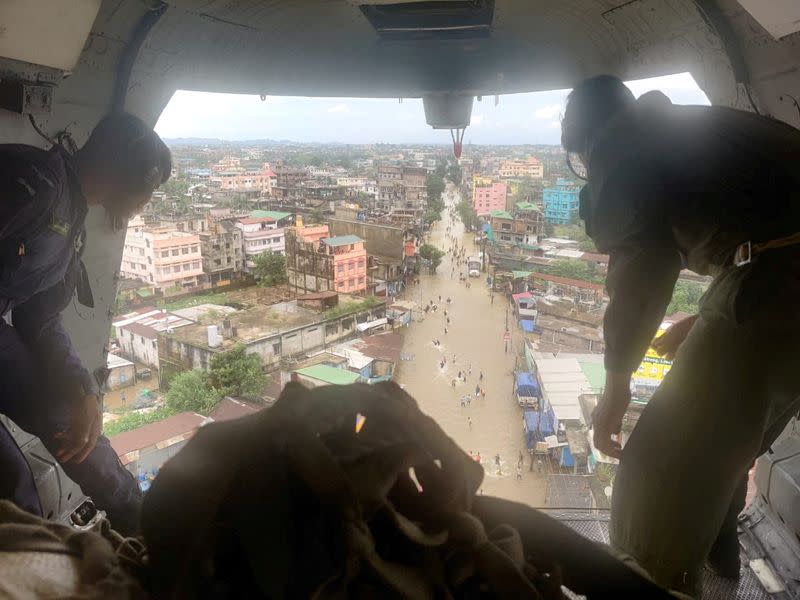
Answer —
667 343
85 427
607 416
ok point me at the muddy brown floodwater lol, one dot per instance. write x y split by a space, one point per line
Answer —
474 339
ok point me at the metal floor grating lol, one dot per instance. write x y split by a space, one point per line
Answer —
595 527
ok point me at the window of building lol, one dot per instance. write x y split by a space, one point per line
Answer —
141 340
276 349
340 269
228 260
351 282
175 252
176 269
153 344
360 280
187 266
351 265
218 261
195 249
165 254
184 250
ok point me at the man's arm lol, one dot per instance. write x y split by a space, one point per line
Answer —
640 281
38 321
630 220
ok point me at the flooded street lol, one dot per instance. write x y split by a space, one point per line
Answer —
474 339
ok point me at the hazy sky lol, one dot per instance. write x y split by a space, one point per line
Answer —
518 119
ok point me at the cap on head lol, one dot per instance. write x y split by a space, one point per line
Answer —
590 104
131 156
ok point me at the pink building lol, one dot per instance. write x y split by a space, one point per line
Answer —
349 263
488 195
161 256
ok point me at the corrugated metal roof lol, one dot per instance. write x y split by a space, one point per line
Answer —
113 361
330 375
342 240
183 424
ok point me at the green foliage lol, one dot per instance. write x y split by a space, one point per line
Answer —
316 216
133 420
454 173
351 307
236 373
221 299
575 231
188 391
574 269
270 268
466 212
176 187
432 254
435 186
686 297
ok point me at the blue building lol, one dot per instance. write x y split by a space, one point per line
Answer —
561 202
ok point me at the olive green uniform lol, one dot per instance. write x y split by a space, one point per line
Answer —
678 186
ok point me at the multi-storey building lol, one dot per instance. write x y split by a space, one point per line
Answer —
529 167
262 180
561 202
488 195
222 250
259 235
162 256
522 226
401 189
289 176
319 263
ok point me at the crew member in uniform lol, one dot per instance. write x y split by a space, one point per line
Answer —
716 190
44 388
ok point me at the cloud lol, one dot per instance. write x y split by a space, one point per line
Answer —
548 112
555 124
476 120
339 108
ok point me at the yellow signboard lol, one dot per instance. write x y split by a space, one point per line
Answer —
653 367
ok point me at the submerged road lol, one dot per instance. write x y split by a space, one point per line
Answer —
474 338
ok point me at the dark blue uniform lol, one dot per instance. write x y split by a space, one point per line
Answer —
42 214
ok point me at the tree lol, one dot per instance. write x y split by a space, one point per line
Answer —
236 373
188 391
317 216
270 268
467 214
432 254
454 173
435 186
686 297
574 269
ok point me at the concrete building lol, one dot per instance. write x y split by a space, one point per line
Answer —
561 202
121 372
402 189
261 180
287 177
162 257
519 227
488 195
316 262
137 332
222 251
280 331
260 234
519 168
385 246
